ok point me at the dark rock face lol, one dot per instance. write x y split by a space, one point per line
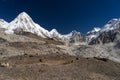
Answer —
77 37
2 40
19 31
105 37
117 45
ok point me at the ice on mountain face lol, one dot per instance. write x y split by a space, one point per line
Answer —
3 23
111 25
95 30
54 34
54 31
93 34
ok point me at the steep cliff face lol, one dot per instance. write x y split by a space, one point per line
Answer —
105 37
107 34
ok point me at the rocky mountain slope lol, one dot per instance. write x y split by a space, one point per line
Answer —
30 57
109 33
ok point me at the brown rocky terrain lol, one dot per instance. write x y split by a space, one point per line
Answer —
30 57
57 67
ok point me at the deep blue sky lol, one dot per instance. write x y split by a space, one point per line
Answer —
64 15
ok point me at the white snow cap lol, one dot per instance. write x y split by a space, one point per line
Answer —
95 30
54 31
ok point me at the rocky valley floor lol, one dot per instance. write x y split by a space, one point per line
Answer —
58 67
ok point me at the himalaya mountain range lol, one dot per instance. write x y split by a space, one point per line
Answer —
24 23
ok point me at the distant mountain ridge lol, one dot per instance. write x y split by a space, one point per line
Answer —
24 22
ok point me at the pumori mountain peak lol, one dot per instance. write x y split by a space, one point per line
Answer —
22 17
24 14
25 22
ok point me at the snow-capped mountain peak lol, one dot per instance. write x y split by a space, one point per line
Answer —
24 14
25 22
22 18
55 34
111 25
54 31
107 33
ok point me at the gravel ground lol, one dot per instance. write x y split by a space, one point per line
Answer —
58 67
